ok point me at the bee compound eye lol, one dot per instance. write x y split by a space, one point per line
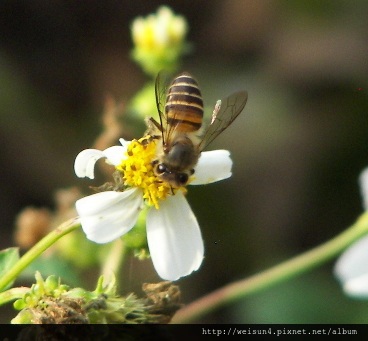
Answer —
161 168
183 178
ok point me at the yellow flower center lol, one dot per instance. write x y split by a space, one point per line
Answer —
137 171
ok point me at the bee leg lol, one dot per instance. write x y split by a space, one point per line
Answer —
153 124
149 138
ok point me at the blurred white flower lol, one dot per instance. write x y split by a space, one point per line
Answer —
173 234
363 182
352 267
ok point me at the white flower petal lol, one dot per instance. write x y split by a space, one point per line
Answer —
363 181
115 154
174 238
124 143
85 162
108 215
357 287
212 166
352 267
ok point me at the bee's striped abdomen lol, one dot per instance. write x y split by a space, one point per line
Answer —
184 105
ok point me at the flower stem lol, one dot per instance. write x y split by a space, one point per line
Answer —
114 260
12 294
37 249
279 273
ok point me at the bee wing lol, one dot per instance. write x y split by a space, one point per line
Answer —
225 112
161 86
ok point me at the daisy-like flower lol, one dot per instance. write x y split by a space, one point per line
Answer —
174 238
352 266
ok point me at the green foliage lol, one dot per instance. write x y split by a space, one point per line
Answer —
8 258
50 301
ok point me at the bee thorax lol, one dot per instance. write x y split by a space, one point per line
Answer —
181 156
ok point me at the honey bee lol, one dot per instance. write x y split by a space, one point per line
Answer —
182 134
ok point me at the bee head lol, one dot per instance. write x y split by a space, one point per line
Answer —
174 178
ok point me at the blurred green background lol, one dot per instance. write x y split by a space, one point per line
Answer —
298 148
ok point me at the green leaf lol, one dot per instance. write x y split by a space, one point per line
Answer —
52 264
8 258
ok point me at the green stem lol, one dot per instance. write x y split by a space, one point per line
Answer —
37 249
12 294
279 273
112 265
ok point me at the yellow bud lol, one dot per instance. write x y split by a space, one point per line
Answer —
159 40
